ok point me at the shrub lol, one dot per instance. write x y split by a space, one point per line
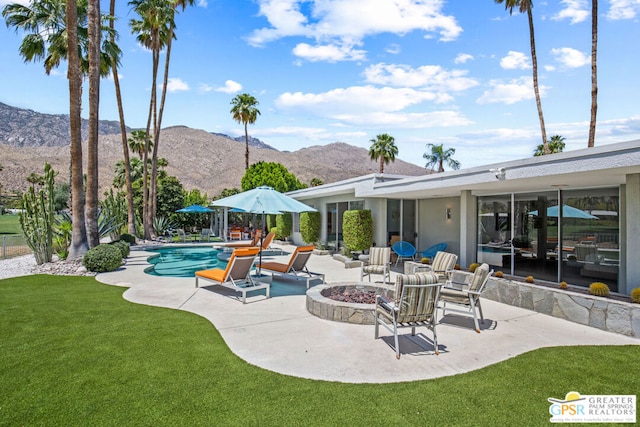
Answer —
284 224
102 258
310 223
128 238
529 279
599 289
563 285
357 229
473 267
499 274
635 295
123 246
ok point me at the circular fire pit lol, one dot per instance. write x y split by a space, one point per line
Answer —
340 302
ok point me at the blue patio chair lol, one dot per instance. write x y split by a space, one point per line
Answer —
431 252
404 250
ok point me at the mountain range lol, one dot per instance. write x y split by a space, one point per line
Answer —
209 162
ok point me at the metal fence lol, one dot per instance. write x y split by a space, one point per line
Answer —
13 246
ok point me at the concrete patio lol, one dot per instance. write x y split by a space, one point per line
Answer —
280 335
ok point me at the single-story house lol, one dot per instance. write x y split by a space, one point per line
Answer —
508 214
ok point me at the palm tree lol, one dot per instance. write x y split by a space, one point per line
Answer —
383 147
594 73
556 145
93 56
56 31
137 142
244 111
152 32
526 6
439 156
131 213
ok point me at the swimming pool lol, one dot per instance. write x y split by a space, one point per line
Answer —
183 261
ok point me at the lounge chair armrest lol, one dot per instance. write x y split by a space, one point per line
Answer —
385 303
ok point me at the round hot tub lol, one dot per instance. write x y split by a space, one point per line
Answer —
350 302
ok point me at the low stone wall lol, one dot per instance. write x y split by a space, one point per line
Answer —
602 313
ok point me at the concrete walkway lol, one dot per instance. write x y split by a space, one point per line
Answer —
280 335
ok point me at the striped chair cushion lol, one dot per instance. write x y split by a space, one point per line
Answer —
422 278
379 256
444 261
375 269
479 275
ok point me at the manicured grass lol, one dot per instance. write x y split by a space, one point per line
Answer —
74 352
10 224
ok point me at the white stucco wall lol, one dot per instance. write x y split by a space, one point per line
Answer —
435 228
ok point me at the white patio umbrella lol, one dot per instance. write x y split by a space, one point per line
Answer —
263 200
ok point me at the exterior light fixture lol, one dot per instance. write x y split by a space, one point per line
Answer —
447 213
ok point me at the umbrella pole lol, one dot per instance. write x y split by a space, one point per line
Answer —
261 241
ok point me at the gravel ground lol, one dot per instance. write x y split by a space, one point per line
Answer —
25 265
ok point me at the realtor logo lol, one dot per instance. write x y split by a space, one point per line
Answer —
575 408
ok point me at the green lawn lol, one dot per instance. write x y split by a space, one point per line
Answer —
74 352
10 224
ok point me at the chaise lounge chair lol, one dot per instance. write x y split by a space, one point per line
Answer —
236 276
254 242
295 268
415 304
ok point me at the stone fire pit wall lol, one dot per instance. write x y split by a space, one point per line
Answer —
325 308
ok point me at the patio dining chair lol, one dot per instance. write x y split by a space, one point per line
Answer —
379 263
467 294
415 304
443 265
404 250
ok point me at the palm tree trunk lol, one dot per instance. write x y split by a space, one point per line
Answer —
246 142
156 135
131 219
381 165
145 186
93 26
594 73
78 234
534 61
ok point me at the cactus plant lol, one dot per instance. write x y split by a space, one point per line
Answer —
37 217
425 260
635 295
599 289
473 267
563 285
529 279
499 274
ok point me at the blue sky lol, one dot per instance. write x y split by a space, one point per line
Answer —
424 71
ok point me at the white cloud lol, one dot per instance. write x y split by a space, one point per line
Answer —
431 77
203 3
430 119
175 84
575 11
328 53
510 92
3 3
229 87
571 58
393 49
624 9
357 98
463 58
344 24
515 60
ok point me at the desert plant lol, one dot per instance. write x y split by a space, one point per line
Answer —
425 260
499 274
161 224
457 267
529 279
102 258
473 267
37 216
310 223
62 238
130 239
284 223
635 295
563 285
599 289
357 229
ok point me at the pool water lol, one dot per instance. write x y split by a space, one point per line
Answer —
183 261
